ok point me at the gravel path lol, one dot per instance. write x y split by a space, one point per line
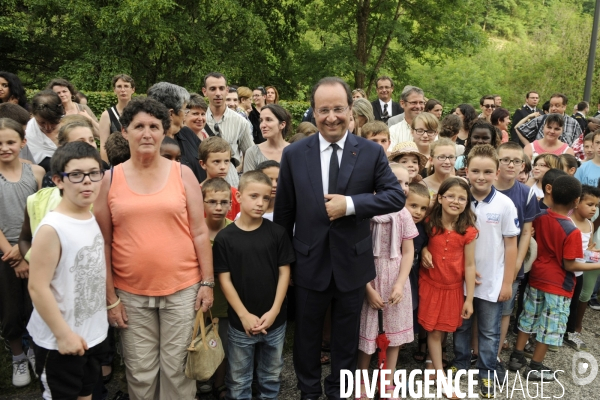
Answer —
563 359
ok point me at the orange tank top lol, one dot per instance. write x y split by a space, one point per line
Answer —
152 249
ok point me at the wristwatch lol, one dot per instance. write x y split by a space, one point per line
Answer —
209 284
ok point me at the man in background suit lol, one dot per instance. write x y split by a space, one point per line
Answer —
582 109
531 101
384 107
330 185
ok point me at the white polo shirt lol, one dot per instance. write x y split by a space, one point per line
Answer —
496 219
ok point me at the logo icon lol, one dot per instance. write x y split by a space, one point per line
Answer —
585 368
212 343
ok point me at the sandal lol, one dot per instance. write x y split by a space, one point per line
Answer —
325 359
219 392
419 355
363 392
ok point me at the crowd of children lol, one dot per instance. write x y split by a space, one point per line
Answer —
451 261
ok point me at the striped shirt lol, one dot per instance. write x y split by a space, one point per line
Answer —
237 131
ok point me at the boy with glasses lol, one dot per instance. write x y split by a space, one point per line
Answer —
511 157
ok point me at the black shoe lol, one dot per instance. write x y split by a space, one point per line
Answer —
516 362
121 396
537 374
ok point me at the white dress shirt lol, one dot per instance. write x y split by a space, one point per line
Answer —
326 151
389 104
400 132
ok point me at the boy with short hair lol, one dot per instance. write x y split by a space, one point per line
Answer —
547 182
588 146
589 172
252 257
67 280
551 280
215 157
377 132
417 203
511 157
495 259
117 149
169 149
216 194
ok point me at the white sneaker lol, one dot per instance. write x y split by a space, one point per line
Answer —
21 375
31 358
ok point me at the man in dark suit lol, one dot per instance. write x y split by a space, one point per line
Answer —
598 112
384 107
330 185
531 101
582 108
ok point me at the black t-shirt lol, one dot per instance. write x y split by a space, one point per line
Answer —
189 143
419 242
543 205
253 259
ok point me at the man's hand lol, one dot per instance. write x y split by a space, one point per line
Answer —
505 292
335 205
71 344
204 299
250 322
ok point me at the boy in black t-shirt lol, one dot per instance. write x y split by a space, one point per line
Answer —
252 257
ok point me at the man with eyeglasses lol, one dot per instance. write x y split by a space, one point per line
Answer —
413 102
226 123
530 107
330 184
533 128
259 98
488 105
384 107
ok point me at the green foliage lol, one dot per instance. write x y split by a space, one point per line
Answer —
296 108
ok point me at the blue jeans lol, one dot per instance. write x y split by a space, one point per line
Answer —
240 359
489 316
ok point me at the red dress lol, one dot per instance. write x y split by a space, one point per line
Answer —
441 291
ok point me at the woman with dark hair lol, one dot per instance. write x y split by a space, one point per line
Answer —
275 125
501 119
158 253
272 95
195 115
11 90
435 107
42 129
467 113
66 92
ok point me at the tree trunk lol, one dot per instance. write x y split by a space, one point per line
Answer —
362 19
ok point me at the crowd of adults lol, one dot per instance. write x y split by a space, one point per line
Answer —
158 289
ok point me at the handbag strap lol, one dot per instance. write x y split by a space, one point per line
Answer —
199 324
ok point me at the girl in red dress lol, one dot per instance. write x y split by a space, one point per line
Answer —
452 233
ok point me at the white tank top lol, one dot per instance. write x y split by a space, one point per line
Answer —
79 281
585 241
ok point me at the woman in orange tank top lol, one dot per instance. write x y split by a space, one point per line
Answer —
158 255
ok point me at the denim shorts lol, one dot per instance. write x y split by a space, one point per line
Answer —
509 305
546 315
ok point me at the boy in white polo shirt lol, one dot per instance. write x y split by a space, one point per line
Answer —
495 259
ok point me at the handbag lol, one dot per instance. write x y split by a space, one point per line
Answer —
205 352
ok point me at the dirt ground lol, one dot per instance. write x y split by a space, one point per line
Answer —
565 388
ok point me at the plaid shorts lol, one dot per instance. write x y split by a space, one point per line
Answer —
546 315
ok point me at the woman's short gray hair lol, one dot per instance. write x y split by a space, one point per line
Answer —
363 107
171 96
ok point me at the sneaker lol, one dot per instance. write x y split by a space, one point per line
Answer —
31 359
21 375
553 348
574 340
536 375
529 349
486 389
594 304
474 358
516 362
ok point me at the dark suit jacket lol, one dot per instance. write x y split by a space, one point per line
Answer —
517 116
581 120
396 109
342 248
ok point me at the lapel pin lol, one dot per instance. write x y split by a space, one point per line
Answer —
353 153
